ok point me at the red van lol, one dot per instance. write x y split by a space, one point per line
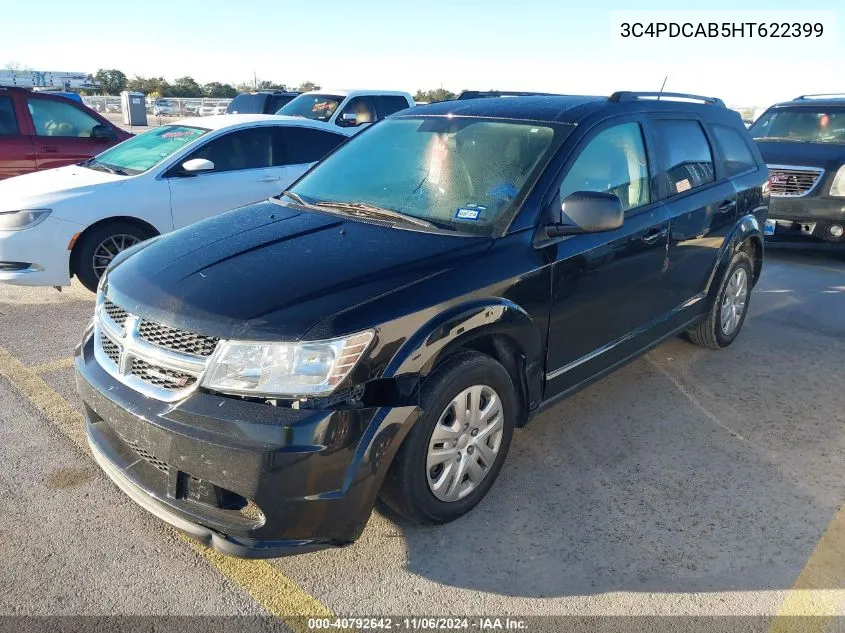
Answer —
41 131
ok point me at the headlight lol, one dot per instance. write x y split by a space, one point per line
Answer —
25 219
284 369
838 186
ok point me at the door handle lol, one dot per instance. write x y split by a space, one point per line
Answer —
269 179
727 205
49 148
654 235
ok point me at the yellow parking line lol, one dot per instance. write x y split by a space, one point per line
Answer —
56 365
279 595
819 590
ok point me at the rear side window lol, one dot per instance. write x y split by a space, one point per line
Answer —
274 102
247 104
685 154
387 105
738 157
298 145
8 120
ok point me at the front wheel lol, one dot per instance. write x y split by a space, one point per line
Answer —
452 456
727 314
97 248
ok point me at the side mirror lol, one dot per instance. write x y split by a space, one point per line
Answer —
196 166
587 212
348 119
103 132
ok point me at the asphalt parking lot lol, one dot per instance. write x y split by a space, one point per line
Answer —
689 482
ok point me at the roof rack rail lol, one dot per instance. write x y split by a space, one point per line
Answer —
625 95
822 95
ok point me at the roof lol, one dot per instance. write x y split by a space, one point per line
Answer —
223 121
354 92
558 108
533 108
814 100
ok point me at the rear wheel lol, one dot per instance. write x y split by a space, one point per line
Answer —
454 453
97 248
727 313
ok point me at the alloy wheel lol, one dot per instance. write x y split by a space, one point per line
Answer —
733 303
108 249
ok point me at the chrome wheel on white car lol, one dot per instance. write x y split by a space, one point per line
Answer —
108 249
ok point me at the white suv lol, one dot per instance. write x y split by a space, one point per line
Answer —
347 108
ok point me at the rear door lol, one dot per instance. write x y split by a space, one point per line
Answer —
701 202
245 170
17 155
301 147
63 132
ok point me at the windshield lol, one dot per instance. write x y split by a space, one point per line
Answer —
145 151
247 104
317 107
816 125
467 175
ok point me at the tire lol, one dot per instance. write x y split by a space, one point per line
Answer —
407 488
122 232
710 332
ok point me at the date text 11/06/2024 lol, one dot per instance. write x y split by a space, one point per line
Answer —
419 624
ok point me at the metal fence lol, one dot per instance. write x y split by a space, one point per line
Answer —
165 106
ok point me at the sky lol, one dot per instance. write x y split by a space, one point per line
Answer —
542 45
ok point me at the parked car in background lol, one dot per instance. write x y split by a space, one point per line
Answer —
165 108
803 143
348 108
221 108
206 110
42 131
384 326
74 220
261 102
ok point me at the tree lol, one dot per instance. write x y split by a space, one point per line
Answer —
150 85
269 85
430 96
308 86
185 87
217 89
113 81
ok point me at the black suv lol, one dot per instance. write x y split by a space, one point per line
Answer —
261 102
258 379
803 142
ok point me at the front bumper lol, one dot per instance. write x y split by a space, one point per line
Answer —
249 479
38 256
806 219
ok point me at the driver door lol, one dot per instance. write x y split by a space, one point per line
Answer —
248 167
608 289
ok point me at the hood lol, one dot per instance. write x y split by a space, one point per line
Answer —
271 272
46 187
828 156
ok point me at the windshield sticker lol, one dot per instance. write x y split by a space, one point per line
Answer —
467 214
683 185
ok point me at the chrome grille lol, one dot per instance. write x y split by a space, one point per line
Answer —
177 340
793 182
115 312
159 361
160 377
111 349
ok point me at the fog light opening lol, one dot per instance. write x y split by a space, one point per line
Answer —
836 230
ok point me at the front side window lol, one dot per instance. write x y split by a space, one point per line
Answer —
738 157
8 120
315 107
300 145
359 111
614 161
685 154
801 123
60 118
245 149
145 151
461 174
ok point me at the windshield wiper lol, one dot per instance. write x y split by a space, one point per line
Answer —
297 199
103 167
377 212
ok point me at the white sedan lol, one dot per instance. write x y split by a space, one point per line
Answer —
73 220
